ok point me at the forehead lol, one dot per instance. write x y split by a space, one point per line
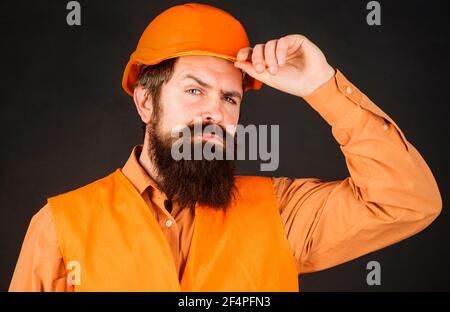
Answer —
212 69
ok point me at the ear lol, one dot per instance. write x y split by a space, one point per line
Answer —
143 103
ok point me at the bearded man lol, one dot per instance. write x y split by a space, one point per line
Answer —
165 224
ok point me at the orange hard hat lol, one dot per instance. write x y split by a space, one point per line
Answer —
188 29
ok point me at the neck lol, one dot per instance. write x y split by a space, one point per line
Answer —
147 163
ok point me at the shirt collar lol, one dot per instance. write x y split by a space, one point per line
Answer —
134 171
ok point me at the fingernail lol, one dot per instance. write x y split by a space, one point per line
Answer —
259 67
272 69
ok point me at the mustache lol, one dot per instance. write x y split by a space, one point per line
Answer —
207 128
198 129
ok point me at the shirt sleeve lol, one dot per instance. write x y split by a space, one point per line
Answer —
40 266
390 194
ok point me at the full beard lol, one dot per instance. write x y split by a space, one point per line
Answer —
189 182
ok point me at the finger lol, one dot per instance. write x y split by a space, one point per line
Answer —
258 58
281 51
270 57
248 68
293 43
244 54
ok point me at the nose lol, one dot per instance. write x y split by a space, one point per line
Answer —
212 112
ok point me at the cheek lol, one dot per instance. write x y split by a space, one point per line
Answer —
231 116
176 114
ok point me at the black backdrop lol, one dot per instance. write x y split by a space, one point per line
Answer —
65 120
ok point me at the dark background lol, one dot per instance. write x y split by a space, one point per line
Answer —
65 120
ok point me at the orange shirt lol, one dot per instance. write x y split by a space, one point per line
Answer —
390 195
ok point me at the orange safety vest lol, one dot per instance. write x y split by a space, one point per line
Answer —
107 227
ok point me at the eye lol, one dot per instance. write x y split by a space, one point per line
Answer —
230 100
194 91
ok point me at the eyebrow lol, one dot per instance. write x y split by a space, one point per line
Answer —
207 86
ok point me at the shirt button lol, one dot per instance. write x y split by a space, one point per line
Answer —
385 126
169 223
348 90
